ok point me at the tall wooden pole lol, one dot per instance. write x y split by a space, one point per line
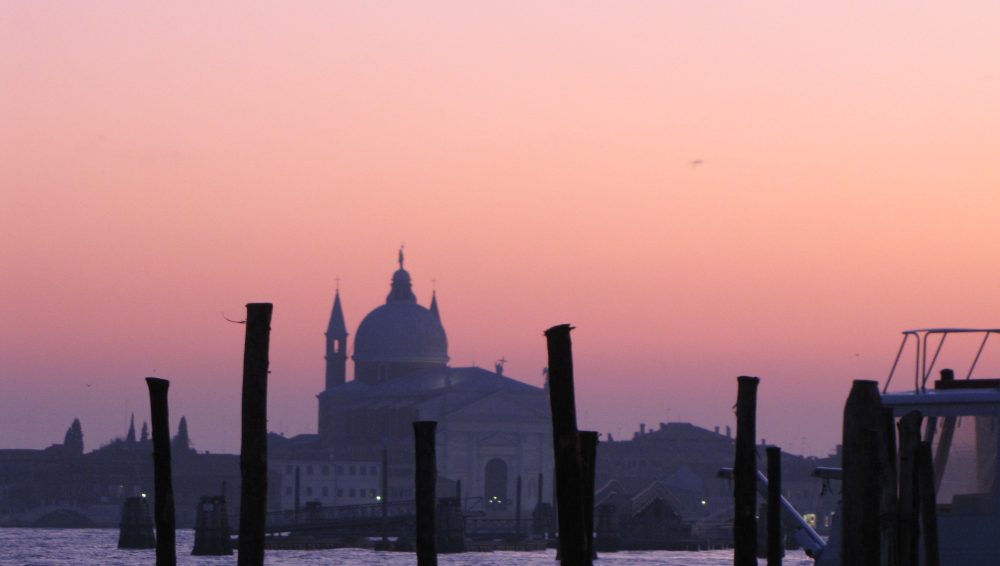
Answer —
163 485
588 459
425 484
566 443
745 473
928 504
253 448
890 500
775 546
908 530
862 485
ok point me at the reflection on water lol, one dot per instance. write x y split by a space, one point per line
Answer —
98 547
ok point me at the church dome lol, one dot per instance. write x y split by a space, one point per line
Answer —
401 332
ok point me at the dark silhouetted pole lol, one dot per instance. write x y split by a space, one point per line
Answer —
908 531
862 483
745 473
163 485
565 439
253 448
425 484
775 546
928 504
588 459
890 501
136 527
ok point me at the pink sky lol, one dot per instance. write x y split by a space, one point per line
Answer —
162 165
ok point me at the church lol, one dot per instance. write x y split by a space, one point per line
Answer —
491 429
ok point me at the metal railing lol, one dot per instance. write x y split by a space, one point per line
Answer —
921 368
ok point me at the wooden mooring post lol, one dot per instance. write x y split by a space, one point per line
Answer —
745 473
425 483
588 461
211 527
775 538
862 480
573 548
136 527
890 487
928 504
253 447
908 530
163 485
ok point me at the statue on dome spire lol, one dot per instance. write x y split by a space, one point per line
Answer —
401 246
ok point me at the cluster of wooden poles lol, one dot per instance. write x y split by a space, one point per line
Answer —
883 512
575 453
871 492
253 448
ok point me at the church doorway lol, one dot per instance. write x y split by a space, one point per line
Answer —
496 484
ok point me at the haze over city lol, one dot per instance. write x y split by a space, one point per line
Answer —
704 191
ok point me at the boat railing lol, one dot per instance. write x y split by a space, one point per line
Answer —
922 367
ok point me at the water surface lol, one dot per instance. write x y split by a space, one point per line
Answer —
98 547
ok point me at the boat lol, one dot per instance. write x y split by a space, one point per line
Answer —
960 420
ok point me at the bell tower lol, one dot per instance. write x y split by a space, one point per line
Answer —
336 345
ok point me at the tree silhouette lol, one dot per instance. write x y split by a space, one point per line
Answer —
130 437
73 442
182 443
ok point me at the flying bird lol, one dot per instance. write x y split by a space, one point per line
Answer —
695 162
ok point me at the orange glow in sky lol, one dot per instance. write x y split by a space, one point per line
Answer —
703 190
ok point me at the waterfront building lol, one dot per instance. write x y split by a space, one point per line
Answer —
491 428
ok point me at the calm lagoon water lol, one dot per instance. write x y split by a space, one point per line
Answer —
97 546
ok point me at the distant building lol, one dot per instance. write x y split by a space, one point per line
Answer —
491 428
328 482
683 460
62 486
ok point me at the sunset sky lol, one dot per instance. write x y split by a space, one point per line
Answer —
703 189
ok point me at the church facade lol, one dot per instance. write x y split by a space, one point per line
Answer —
491 429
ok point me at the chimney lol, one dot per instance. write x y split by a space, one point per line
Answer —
642 429
729 431
716 430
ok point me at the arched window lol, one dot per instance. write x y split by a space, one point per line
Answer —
496 484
